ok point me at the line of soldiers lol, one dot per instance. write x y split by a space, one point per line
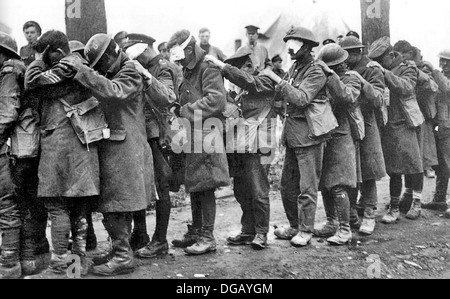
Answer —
88 129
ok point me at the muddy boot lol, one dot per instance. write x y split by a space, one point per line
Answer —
118 226
344 234
302 239
415 211
91 238
205 244
79 242
241 239
393 212
153 249
259 242
189 239
406 201
439 199
331 226
10 267
368 223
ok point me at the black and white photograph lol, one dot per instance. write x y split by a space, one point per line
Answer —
224 146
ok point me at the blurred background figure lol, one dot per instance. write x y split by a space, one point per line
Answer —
204 36
277 63
32 31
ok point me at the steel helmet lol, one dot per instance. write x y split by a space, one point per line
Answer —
332 54
76 46
302 34
9 44
350 43
96 47
445 54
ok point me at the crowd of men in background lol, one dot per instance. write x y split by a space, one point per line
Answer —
89 128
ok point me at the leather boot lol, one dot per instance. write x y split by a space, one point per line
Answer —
118 226
415 211
241 239
58 263
368 223
439 200
331 226
10 267
189 239
205 244
393 212
355 222
406 202
259 242
154 249
344 234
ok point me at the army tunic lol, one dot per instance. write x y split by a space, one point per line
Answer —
339 161
372 159
400 142
126 163
66 167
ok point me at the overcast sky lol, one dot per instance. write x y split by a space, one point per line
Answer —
425 24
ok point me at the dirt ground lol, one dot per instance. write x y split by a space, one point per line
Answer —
408 249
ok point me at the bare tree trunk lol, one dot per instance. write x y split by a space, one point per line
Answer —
375 20
84 18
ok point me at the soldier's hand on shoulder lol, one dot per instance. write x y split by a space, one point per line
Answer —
375 64
73 62
326 69
214 60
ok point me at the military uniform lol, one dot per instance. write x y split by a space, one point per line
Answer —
27 53
251 181
69 178
11 85
203 90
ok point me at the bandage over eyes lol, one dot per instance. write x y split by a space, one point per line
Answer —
136 50
294 45
177 52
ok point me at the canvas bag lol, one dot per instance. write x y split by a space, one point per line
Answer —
88 120
25 139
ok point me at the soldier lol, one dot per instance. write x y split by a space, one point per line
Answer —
91 239
11 84
259 52
304 150
277 62
125 158
162 92
339 172
204 35
400 136
68 171
426 90
443 133
162 49
32 32
372 160
202 97
251 181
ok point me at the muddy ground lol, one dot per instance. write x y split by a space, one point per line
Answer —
409 249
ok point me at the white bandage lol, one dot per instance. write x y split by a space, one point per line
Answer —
294 45
136 50
177 52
